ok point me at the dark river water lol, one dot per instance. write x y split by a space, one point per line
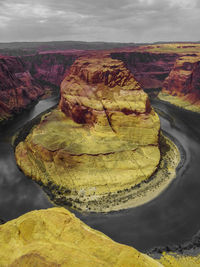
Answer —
171 218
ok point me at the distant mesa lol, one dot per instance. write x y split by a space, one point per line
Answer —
102 139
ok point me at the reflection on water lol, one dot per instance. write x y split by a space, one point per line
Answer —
172 217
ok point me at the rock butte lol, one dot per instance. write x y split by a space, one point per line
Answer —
182 86
103 138
55 237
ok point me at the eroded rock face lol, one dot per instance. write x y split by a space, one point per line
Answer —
184 78
50 67
150 69
182 86
102 139
55 237
17 87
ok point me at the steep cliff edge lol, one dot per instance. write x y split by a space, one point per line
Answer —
150 69
17 87
50 66
102 139
182 86
55 237
24 79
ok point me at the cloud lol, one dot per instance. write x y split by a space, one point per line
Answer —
94 20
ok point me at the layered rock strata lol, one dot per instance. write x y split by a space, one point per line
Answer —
150 69
50 67
182 86
102 139
55 237
17 87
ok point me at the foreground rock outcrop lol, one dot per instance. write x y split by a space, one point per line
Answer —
55 237
182 86
17 87
102 139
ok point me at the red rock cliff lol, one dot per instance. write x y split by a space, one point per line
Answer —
17 87
100 82
184 79
150 69
50 67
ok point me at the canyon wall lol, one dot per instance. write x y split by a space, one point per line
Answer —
150 69
43 72
23 80
170 68
102 139
182 86
50 67
18 89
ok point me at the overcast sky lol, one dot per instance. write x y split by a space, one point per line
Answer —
100 20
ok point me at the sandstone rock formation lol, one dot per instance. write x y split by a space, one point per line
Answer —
50 67
150 69
55 237
102 139
183 83
151 64
24 79
17 87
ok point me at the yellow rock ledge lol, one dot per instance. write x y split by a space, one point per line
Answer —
55 237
